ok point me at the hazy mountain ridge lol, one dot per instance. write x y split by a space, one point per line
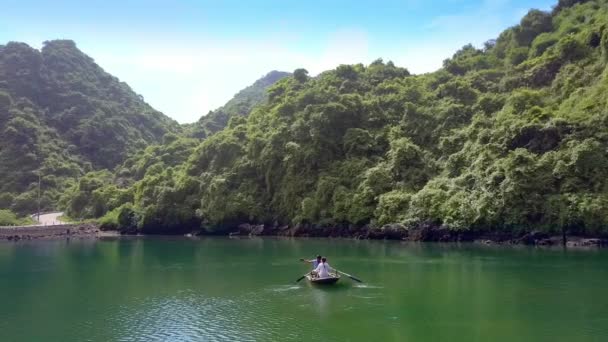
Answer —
240 105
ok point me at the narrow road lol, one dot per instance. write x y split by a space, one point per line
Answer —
50 219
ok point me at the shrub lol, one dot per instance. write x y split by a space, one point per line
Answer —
8 218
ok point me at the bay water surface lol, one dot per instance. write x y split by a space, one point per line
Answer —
220 289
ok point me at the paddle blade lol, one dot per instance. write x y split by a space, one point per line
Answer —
355 279
302 277
350 276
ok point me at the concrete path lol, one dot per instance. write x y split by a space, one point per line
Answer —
49 219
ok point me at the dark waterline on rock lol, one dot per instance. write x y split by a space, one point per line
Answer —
419 233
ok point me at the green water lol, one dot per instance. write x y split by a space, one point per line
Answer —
156 289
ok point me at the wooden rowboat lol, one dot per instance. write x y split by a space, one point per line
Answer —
332 279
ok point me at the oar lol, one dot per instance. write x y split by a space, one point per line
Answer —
350 276
302 277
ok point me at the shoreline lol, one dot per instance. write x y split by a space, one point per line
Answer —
395 232
420 233
62 231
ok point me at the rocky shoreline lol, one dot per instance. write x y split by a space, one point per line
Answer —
420 233
398 232
64 231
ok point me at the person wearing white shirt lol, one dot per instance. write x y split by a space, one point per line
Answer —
323 269
314 262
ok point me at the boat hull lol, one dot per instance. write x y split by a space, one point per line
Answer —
323 281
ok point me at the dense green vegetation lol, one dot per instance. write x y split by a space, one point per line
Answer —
100 191
510 137
8 218
61 115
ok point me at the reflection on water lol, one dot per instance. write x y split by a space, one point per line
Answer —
322 298
181 318
176 289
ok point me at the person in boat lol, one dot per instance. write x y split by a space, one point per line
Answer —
313 262
323 270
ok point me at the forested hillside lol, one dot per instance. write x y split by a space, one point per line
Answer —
510 137
102 190
240 105
61 115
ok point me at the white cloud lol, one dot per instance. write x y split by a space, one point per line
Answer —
186 80
470 24
346 46
445 34
167 63
423 59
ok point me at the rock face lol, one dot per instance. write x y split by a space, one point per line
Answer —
426 232
387 232
585 242
249 229
534 238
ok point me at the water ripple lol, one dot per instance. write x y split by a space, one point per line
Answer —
191 317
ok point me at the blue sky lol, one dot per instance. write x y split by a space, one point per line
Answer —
188 57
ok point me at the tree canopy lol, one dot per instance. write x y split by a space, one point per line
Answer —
61 115
510 137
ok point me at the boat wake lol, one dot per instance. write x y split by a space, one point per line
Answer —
284 288
367 286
